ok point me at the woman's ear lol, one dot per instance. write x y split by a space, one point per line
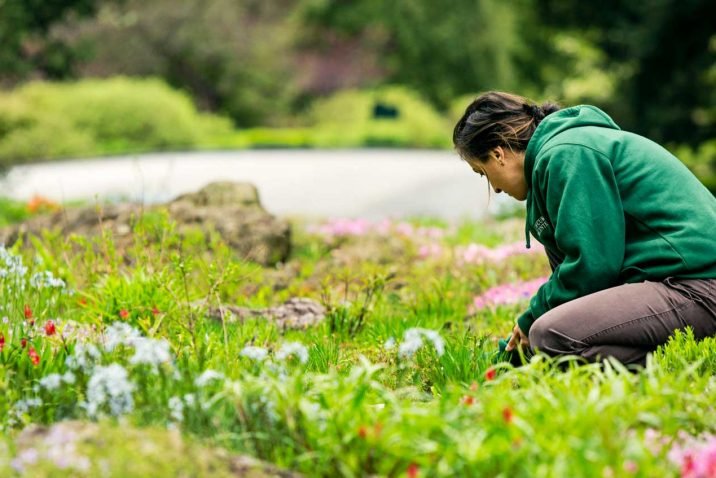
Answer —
499 154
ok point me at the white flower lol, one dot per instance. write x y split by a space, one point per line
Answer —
83 357
190 399
51 382
207 376
68 377
413 341
389 344
24 406
109 385
11 265
258 354
410 345
119 333
176 409
150 352
295 349
20 408
45 279
436 339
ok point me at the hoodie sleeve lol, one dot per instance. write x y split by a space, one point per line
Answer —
585 208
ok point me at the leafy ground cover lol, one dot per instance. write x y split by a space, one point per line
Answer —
399 379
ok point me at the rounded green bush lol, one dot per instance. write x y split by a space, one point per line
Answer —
48 120
347 119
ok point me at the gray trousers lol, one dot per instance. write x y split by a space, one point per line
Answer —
628 321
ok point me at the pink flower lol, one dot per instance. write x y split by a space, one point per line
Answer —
479 254
506 294
696 457
430 250
631 467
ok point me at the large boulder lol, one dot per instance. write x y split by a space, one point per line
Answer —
231 209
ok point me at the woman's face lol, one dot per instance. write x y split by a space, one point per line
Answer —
505 171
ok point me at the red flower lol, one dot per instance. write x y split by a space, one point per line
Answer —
688 466
28 312
82 301
50 328
23 342
468 400
2 342
413 470
34 358
507 414
124 313
490 374
362 431
155 310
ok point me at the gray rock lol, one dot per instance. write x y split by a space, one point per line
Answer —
295 313
231 209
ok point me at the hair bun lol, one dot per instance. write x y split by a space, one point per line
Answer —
549 108
533 111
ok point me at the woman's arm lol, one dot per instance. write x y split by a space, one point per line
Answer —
584 205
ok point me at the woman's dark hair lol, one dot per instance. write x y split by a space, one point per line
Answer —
497 119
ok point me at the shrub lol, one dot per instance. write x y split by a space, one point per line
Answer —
49 120
347 119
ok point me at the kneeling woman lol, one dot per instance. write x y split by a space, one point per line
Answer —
629 231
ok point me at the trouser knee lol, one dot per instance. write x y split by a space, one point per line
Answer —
551 341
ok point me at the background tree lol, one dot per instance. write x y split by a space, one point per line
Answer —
231 56
25 45
442 49
666 51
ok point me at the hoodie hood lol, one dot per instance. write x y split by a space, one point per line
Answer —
559 121
552 125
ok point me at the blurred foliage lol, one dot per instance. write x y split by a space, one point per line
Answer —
701 161
46 120
231 56
348 119
665 53
439 51
288 72
25 44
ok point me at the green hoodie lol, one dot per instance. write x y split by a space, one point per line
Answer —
611 207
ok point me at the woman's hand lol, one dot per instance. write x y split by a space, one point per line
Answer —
518 338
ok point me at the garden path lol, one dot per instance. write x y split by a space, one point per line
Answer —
372 183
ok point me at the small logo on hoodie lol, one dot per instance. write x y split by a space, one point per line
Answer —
540 225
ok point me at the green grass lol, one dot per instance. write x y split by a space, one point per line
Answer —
355 407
